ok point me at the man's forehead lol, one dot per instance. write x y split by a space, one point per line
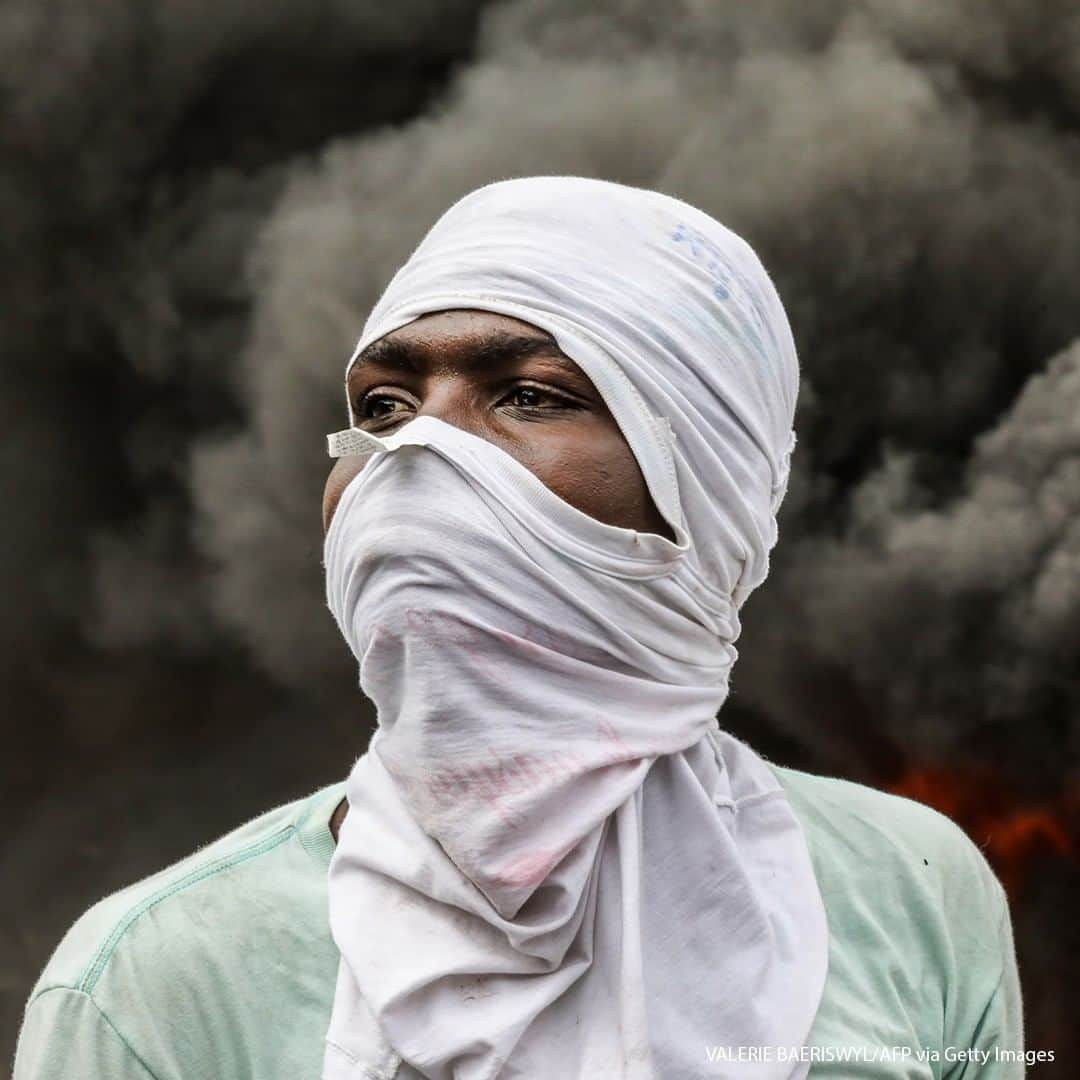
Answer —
475 343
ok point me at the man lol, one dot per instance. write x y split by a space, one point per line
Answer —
532 444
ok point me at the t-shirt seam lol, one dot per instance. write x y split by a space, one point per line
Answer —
105 1018
87 982
320 843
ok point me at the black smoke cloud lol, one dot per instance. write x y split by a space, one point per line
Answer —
145 145
926 239
202 201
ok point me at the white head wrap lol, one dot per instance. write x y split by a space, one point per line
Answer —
555 863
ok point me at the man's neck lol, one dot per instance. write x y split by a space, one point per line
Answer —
337 817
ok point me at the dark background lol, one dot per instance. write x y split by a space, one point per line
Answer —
200 202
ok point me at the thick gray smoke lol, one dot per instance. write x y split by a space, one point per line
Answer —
206 202
926 239
144 145
960 622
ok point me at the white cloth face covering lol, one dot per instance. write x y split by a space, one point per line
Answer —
555 862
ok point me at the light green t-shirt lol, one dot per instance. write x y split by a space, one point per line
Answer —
222 966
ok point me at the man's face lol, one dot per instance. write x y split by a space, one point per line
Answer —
508 382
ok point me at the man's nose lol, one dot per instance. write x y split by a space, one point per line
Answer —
453 400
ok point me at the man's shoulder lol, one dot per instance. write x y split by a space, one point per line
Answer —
919 924
875 826
198 902
907 855
221 964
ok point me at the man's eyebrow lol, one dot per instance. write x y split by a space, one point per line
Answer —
499 347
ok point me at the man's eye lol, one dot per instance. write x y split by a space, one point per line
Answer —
373 406
532 397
